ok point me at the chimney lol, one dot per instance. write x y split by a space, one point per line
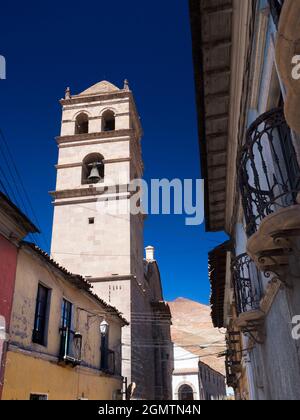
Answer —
150 253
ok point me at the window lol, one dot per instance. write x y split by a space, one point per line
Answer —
92 169
82 124
41 315
108 121
91 221
71 341
185 393
38 397
66 314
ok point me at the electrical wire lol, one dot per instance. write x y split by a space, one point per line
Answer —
12 195
18 181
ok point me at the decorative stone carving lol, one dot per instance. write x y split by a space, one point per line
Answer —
68 93
276 241
287 47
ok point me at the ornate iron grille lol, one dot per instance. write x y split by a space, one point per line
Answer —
269 174
247 284
275 8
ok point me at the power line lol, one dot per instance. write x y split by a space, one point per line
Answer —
18 179
11 195
4 188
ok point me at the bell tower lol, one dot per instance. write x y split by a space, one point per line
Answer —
99 154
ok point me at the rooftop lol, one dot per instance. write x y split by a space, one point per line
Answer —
100 87
76 280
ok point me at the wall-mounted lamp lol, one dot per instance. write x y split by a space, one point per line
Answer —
104 327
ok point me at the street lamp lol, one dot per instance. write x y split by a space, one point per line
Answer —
104 327
104 345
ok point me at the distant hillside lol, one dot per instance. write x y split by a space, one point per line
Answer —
193 328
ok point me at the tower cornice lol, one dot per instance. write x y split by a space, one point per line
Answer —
83 99
100 135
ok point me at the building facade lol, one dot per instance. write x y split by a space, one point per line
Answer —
64 342
213 383
247 93
186 384
96 233
14 226
193 380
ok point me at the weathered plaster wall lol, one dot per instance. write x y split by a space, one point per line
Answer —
279 353
87 318
45 377
8 263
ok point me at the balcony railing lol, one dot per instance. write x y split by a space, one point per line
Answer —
231 370
269 174
233 358
70 347
275 8
247 284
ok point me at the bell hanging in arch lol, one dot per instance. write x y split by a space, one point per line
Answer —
94 176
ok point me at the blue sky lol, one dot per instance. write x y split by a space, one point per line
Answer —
51 45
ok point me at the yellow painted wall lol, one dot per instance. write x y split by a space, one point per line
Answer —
31 271
25 375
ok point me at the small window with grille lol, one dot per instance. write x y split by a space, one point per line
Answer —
38 397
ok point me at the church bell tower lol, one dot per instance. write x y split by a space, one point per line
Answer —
94 232
99 154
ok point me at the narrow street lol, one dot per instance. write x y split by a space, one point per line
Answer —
150 204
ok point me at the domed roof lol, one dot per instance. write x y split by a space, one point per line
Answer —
100 87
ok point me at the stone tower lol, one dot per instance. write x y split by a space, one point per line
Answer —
99 154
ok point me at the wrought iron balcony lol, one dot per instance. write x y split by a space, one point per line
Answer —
232 370
247 284
269 174
275 8
70 347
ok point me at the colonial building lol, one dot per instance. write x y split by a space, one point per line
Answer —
212 383
96 235
248 95
186 384
199 372
64 342
193 379
14 226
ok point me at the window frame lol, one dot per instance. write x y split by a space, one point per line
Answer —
41 338
35 394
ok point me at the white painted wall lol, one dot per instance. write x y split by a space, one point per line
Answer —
185 360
